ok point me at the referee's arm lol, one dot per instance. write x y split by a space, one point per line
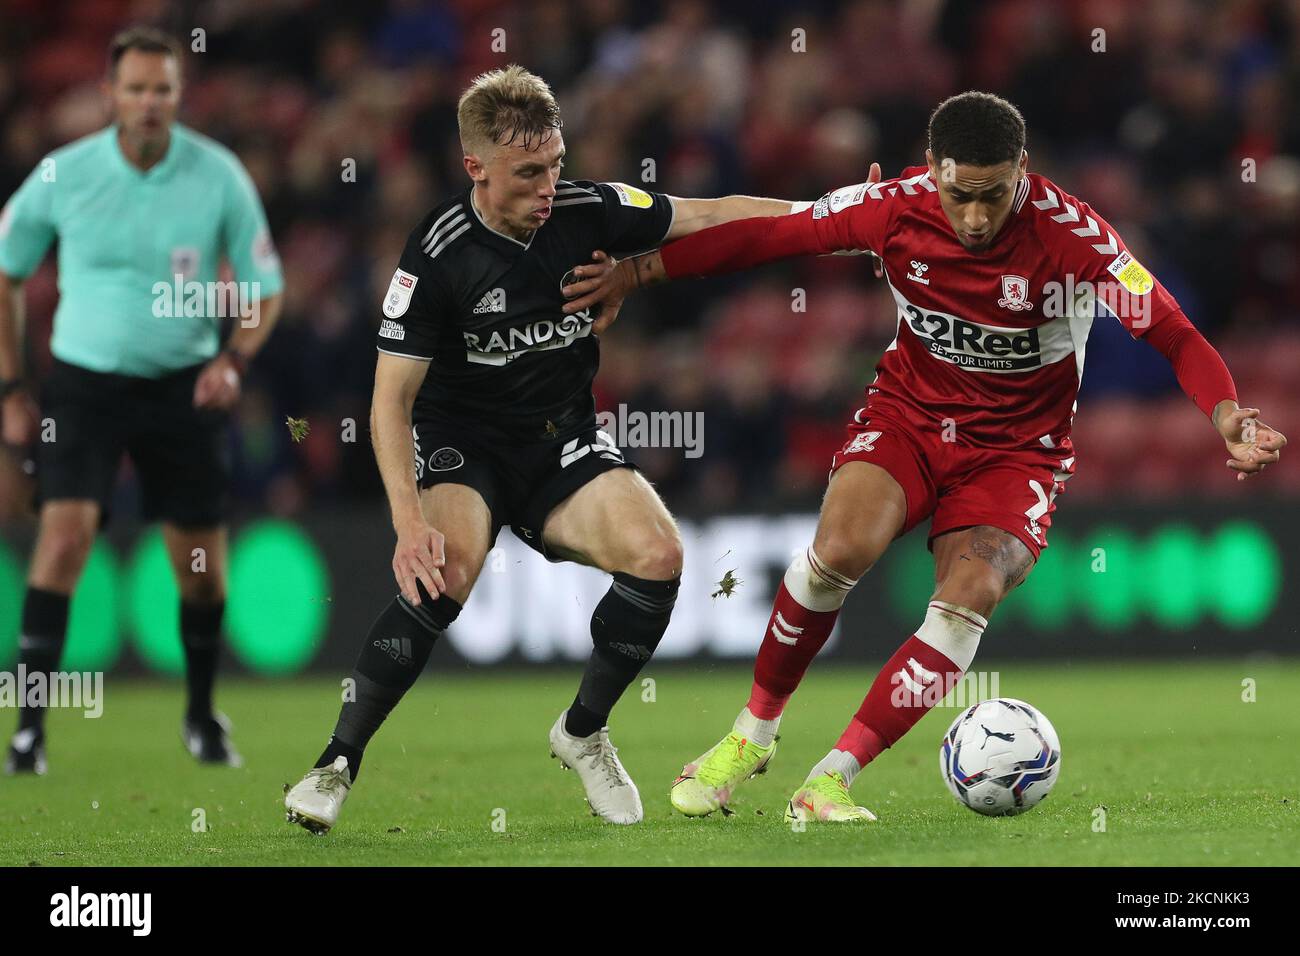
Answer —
20 418
218 384
253 259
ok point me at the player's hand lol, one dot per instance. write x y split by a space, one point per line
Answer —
218 385
877 264
419 556
605 283
22 419
1252 444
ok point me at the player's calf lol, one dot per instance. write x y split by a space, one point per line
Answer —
626 628
394 653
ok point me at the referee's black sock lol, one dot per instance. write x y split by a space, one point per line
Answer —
201 638
40 642
627 626
395 652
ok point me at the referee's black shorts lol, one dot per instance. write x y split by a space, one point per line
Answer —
180 453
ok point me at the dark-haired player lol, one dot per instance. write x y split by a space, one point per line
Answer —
997 274
485 383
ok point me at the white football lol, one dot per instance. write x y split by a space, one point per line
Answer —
1000 757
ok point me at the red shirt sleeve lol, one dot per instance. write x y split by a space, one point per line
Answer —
1200 369
849 219
1092 255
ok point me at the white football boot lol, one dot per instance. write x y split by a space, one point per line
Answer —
315 801
611 794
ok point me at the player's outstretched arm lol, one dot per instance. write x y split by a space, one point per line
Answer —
419 553
1205 378
693 215
1251 443
716 243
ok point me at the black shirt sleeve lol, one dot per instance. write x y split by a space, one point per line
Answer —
414 306
635 220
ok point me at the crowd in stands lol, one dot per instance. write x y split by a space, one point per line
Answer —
1177 120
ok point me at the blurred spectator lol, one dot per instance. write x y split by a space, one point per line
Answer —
1182 128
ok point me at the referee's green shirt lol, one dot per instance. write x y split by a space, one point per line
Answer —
124 235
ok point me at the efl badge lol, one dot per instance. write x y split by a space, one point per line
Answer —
398 299
1015 294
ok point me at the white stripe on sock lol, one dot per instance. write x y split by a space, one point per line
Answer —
953 631
814 591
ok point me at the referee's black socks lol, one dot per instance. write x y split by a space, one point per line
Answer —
201 638
40 643
395 652
627 626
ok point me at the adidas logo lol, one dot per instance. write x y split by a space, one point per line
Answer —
398 648
494 301
632 650
784 632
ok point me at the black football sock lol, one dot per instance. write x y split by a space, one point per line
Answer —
40 643
201 638
395 652
627 626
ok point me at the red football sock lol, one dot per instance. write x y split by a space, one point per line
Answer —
795 632
915 679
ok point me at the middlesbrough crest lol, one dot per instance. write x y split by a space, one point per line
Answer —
1015 294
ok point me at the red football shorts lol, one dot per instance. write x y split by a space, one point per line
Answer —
957 485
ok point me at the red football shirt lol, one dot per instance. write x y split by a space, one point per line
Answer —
993 341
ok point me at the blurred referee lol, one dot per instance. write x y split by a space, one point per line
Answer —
140 207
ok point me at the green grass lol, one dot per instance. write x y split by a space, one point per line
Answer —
1189 774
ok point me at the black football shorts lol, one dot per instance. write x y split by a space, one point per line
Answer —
179 452
521 480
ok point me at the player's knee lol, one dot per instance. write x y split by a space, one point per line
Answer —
847 556
63 550
459 577
199 587
980 589
657 557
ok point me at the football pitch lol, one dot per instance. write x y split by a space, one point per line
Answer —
1163 764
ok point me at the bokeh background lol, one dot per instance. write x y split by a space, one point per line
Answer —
1184 133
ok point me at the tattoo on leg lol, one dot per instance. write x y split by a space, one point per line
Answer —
1004 551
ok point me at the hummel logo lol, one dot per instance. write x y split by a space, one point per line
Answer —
1009 738
494 301
923 677
863 442
784 632
398 648
920 268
